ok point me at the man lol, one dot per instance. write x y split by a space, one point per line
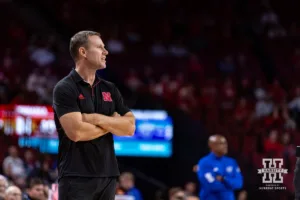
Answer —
218 174
35 191
88 110
128 185
3 186
13 193
13 166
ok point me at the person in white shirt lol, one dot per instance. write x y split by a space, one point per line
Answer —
13 166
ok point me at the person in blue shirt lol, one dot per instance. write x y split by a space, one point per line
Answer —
127 184
218 174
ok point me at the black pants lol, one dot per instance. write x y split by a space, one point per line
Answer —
81 188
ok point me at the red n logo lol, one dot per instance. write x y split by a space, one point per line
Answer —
106 96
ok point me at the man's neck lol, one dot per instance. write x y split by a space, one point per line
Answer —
217 155
88 75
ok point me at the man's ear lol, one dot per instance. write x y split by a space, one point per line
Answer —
82 51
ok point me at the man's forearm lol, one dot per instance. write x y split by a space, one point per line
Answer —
121 126
87 132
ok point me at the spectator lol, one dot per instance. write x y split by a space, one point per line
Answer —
115 46
127 183
209 93
133 81
190 188
13 165
42 56
29 162
3 186
242 195
272 145
147 76
33 80
228 93
175 83
263 107
277 92
156 89
294 105
274 120
245 89
288 147
259 91
35 190
195 66
176 193
13 193
7 60
242 111
289 123
186 99
42 173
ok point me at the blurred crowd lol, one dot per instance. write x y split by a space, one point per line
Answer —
230 64
28 177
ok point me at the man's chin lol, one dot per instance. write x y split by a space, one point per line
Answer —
102 67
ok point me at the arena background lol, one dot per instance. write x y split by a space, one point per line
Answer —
228 67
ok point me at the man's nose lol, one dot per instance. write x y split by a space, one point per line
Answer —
105 52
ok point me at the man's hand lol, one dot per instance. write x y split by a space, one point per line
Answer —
219 178
84 119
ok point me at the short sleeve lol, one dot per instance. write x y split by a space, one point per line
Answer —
64 100
121 108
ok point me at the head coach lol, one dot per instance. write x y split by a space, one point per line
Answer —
88 110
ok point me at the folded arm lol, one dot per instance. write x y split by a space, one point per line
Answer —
78 130
234 181
118 125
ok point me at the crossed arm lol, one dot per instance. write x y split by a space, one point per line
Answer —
116 124
85 127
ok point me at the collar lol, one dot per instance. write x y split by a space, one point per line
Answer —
215 156
74 74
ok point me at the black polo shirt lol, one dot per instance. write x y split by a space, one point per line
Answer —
95 158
